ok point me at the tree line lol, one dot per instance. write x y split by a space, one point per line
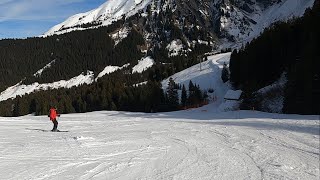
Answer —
291 47
73 53
107 94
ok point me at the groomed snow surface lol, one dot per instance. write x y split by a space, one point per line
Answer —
196 144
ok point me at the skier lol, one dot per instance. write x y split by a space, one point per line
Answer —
53 117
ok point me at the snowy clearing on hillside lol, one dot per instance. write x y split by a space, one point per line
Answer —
175 48
110 69
140 84
143 65
196 144
207 76
21 89
120 35
39 72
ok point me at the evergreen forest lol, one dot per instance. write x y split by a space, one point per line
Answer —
291 47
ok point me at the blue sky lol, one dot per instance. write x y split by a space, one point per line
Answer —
27 18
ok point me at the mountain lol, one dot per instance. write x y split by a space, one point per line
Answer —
108 12
288 54
116 56
235 22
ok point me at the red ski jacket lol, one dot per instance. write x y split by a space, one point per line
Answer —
53 114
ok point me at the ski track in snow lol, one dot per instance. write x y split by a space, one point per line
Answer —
194 144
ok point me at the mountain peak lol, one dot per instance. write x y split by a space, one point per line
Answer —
110 11
234 22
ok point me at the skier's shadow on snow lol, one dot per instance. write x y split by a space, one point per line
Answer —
43 130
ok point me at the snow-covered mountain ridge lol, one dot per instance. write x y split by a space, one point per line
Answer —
108 12
235 22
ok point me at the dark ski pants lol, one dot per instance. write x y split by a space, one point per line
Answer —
55 124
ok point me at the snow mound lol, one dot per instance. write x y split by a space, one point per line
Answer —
143 65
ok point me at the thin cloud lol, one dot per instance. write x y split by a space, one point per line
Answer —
28 18
34 9
5 1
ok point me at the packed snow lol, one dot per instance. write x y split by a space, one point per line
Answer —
195 144
143 64
233 95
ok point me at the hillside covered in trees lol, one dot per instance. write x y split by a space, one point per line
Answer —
76 52
72 54
291 47
110 93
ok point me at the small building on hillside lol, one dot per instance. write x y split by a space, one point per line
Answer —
233 95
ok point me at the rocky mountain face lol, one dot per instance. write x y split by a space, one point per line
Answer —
221 23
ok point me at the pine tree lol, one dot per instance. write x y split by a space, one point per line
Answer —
190 99
225 73
173 98
184 96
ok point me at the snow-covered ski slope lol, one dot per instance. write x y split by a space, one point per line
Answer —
196 144
207 75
